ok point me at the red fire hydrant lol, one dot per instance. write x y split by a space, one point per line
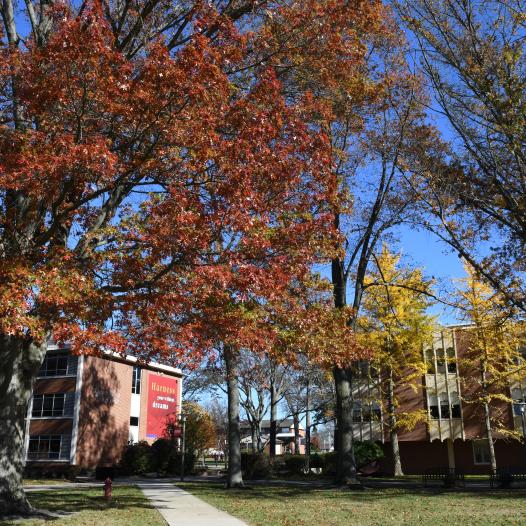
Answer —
107 489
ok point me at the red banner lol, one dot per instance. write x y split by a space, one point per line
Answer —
163 404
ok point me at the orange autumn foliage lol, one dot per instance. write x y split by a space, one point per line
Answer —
151 200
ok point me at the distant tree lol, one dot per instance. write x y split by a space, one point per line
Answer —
218 412
200 429
277 379
396 327
253 390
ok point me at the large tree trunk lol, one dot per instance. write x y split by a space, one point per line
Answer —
20 361
235 477
254 438
273 419
296 420
258 437
395 448
307 429
346 465
346 470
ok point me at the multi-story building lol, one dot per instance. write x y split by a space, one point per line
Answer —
451 431
84 409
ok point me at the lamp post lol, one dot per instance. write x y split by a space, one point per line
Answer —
183 422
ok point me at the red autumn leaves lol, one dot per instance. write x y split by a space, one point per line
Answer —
172 201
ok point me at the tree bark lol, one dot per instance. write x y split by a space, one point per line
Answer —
395 447
307 428
489 436
259 441
487 419
346 465
273 419
235 476
254 438
346 470
20 361
296 420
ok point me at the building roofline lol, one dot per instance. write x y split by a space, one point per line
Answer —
111 355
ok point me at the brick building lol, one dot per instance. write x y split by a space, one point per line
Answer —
452 432
84 409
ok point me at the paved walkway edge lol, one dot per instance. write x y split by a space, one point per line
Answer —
180 508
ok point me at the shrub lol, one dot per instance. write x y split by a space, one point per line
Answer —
174 464
161 457
367 452
255 465
317 461
364 453
161 452
329 461
295 464
136 459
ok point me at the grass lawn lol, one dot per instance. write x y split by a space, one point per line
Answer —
302 506
47 482
129 507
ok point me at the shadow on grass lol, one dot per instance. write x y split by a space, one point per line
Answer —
77 500
274 491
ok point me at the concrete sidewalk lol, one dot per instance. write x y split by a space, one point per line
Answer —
178 507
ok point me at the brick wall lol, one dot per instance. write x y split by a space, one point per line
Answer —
104 418
419 456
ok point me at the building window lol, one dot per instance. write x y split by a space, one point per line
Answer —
519 398
56 404
441 362
59 364
376 411
134 420
357 412
455 406
451 360
444 406
363 369
433 408
430 361
481 452
49 447
136 380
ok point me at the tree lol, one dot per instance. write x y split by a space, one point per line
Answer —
219 414
200 431
395 325
142 189
253 387
165 171
277 388
493 359
473 55
372 165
